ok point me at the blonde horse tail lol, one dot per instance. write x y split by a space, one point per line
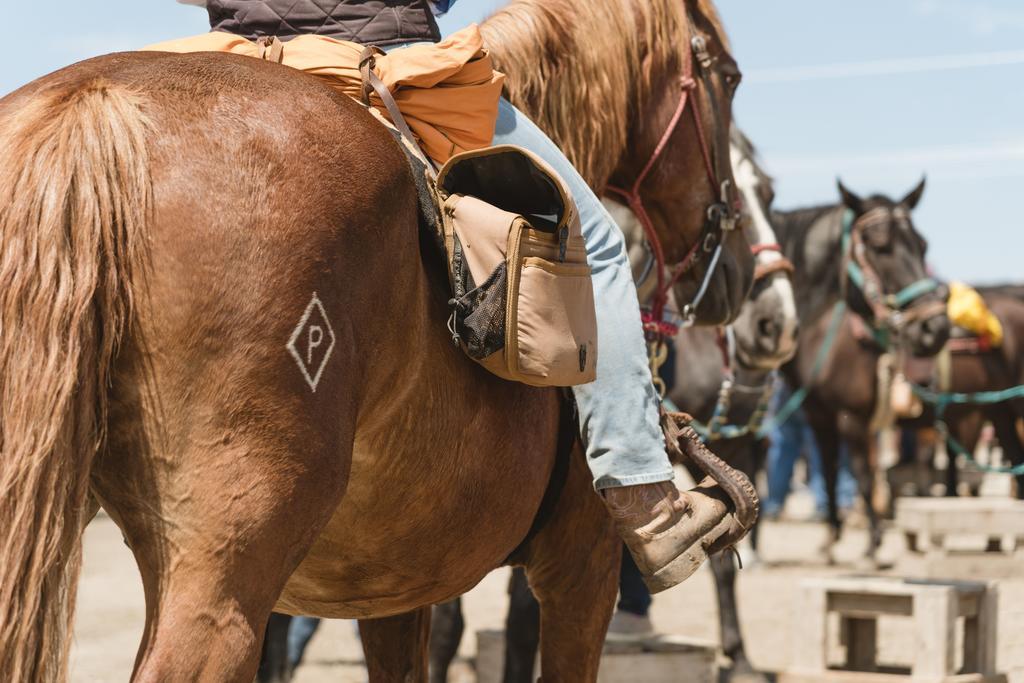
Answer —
75 195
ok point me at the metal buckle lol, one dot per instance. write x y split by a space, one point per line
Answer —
709 242
700 51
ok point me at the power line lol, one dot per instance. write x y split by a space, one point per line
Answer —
884 67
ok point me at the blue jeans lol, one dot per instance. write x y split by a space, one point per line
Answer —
300 631
619 411
789 440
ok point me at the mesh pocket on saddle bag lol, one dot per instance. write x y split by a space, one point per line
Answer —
509 224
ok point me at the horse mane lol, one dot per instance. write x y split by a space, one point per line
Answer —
579 72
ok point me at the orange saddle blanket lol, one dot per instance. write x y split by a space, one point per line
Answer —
448 92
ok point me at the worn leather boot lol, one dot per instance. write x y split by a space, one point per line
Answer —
669 532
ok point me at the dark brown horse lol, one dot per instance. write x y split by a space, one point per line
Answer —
839 379
969 369
220 322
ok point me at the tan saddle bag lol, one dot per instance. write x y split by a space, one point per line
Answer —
522 296
523 299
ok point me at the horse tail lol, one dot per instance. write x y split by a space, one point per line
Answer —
75 195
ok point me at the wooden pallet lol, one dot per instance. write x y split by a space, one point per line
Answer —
934 606
933 527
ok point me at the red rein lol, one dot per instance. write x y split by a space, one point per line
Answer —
654 320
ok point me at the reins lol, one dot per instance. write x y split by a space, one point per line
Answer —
720 217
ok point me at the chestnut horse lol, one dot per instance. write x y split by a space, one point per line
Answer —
206 321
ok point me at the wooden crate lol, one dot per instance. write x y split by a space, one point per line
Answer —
934 606
660 659
935 527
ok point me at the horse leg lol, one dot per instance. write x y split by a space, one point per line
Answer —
724 569
572 564
274 664
743 455
396 647
217 528
1004 421
446 628
862 462
522 629
758 460
826 435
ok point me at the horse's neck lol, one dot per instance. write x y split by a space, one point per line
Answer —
815 249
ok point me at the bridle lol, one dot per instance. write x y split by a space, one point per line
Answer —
721 216
890 312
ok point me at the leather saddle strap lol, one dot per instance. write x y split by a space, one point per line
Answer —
371 81
269 48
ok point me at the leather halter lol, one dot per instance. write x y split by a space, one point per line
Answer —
779 265
722 215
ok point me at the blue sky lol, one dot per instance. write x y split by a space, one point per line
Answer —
943 95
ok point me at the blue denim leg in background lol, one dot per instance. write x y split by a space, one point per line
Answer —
300 632
619 411
633 594
786 443
846 484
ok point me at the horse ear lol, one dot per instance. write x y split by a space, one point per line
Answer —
850 200
911 200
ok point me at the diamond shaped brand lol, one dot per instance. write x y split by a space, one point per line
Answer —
312 341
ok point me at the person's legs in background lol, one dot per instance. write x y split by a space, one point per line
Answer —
846 486
299 634
786 442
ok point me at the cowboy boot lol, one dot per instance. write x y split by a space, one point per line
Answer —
669 532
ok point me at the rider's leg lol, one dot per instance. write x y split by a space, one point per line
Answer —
619 411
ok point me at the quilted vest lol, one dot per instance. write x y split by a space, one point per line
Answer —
376 22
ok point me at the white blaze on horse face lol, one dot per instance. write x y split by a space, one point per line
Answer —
759 231
306 344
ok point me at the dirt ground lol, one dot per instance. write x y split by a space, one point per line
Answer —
110 609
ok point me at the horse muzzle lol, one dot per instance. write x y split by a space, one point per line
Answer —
928 335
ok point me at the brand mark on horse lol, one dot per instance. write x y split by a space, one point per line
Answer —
312 341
